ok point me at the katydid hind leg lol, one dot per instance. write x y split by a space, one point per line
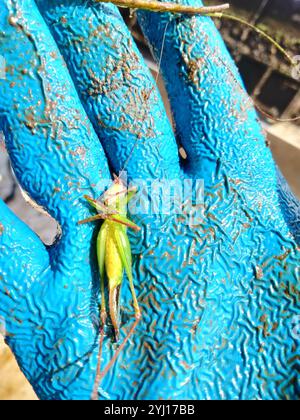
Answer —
101 250
124 250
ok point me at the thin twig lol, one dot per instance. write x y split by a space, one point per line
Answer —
273 42
256 29
156 6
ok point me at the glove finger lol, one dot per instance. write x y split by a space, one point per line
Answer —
30 261
53 147
116 87
215 120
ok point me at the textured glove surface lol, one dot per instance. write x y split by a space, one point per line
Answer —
219 296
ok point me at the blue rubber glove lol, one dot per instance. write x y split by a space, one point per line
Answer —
219 297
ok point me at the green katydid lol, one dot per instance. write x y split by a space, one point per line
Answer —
113 247
114 256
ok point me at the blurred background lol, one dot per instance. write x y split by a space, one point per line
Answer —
269 80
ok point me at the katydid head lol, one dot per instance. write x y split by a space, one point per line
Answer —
115 196
112 205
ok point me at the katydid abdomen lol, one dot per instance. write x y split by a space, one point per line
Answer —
114 270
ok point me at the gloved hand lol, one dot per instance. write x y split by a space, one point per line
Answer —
218 296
